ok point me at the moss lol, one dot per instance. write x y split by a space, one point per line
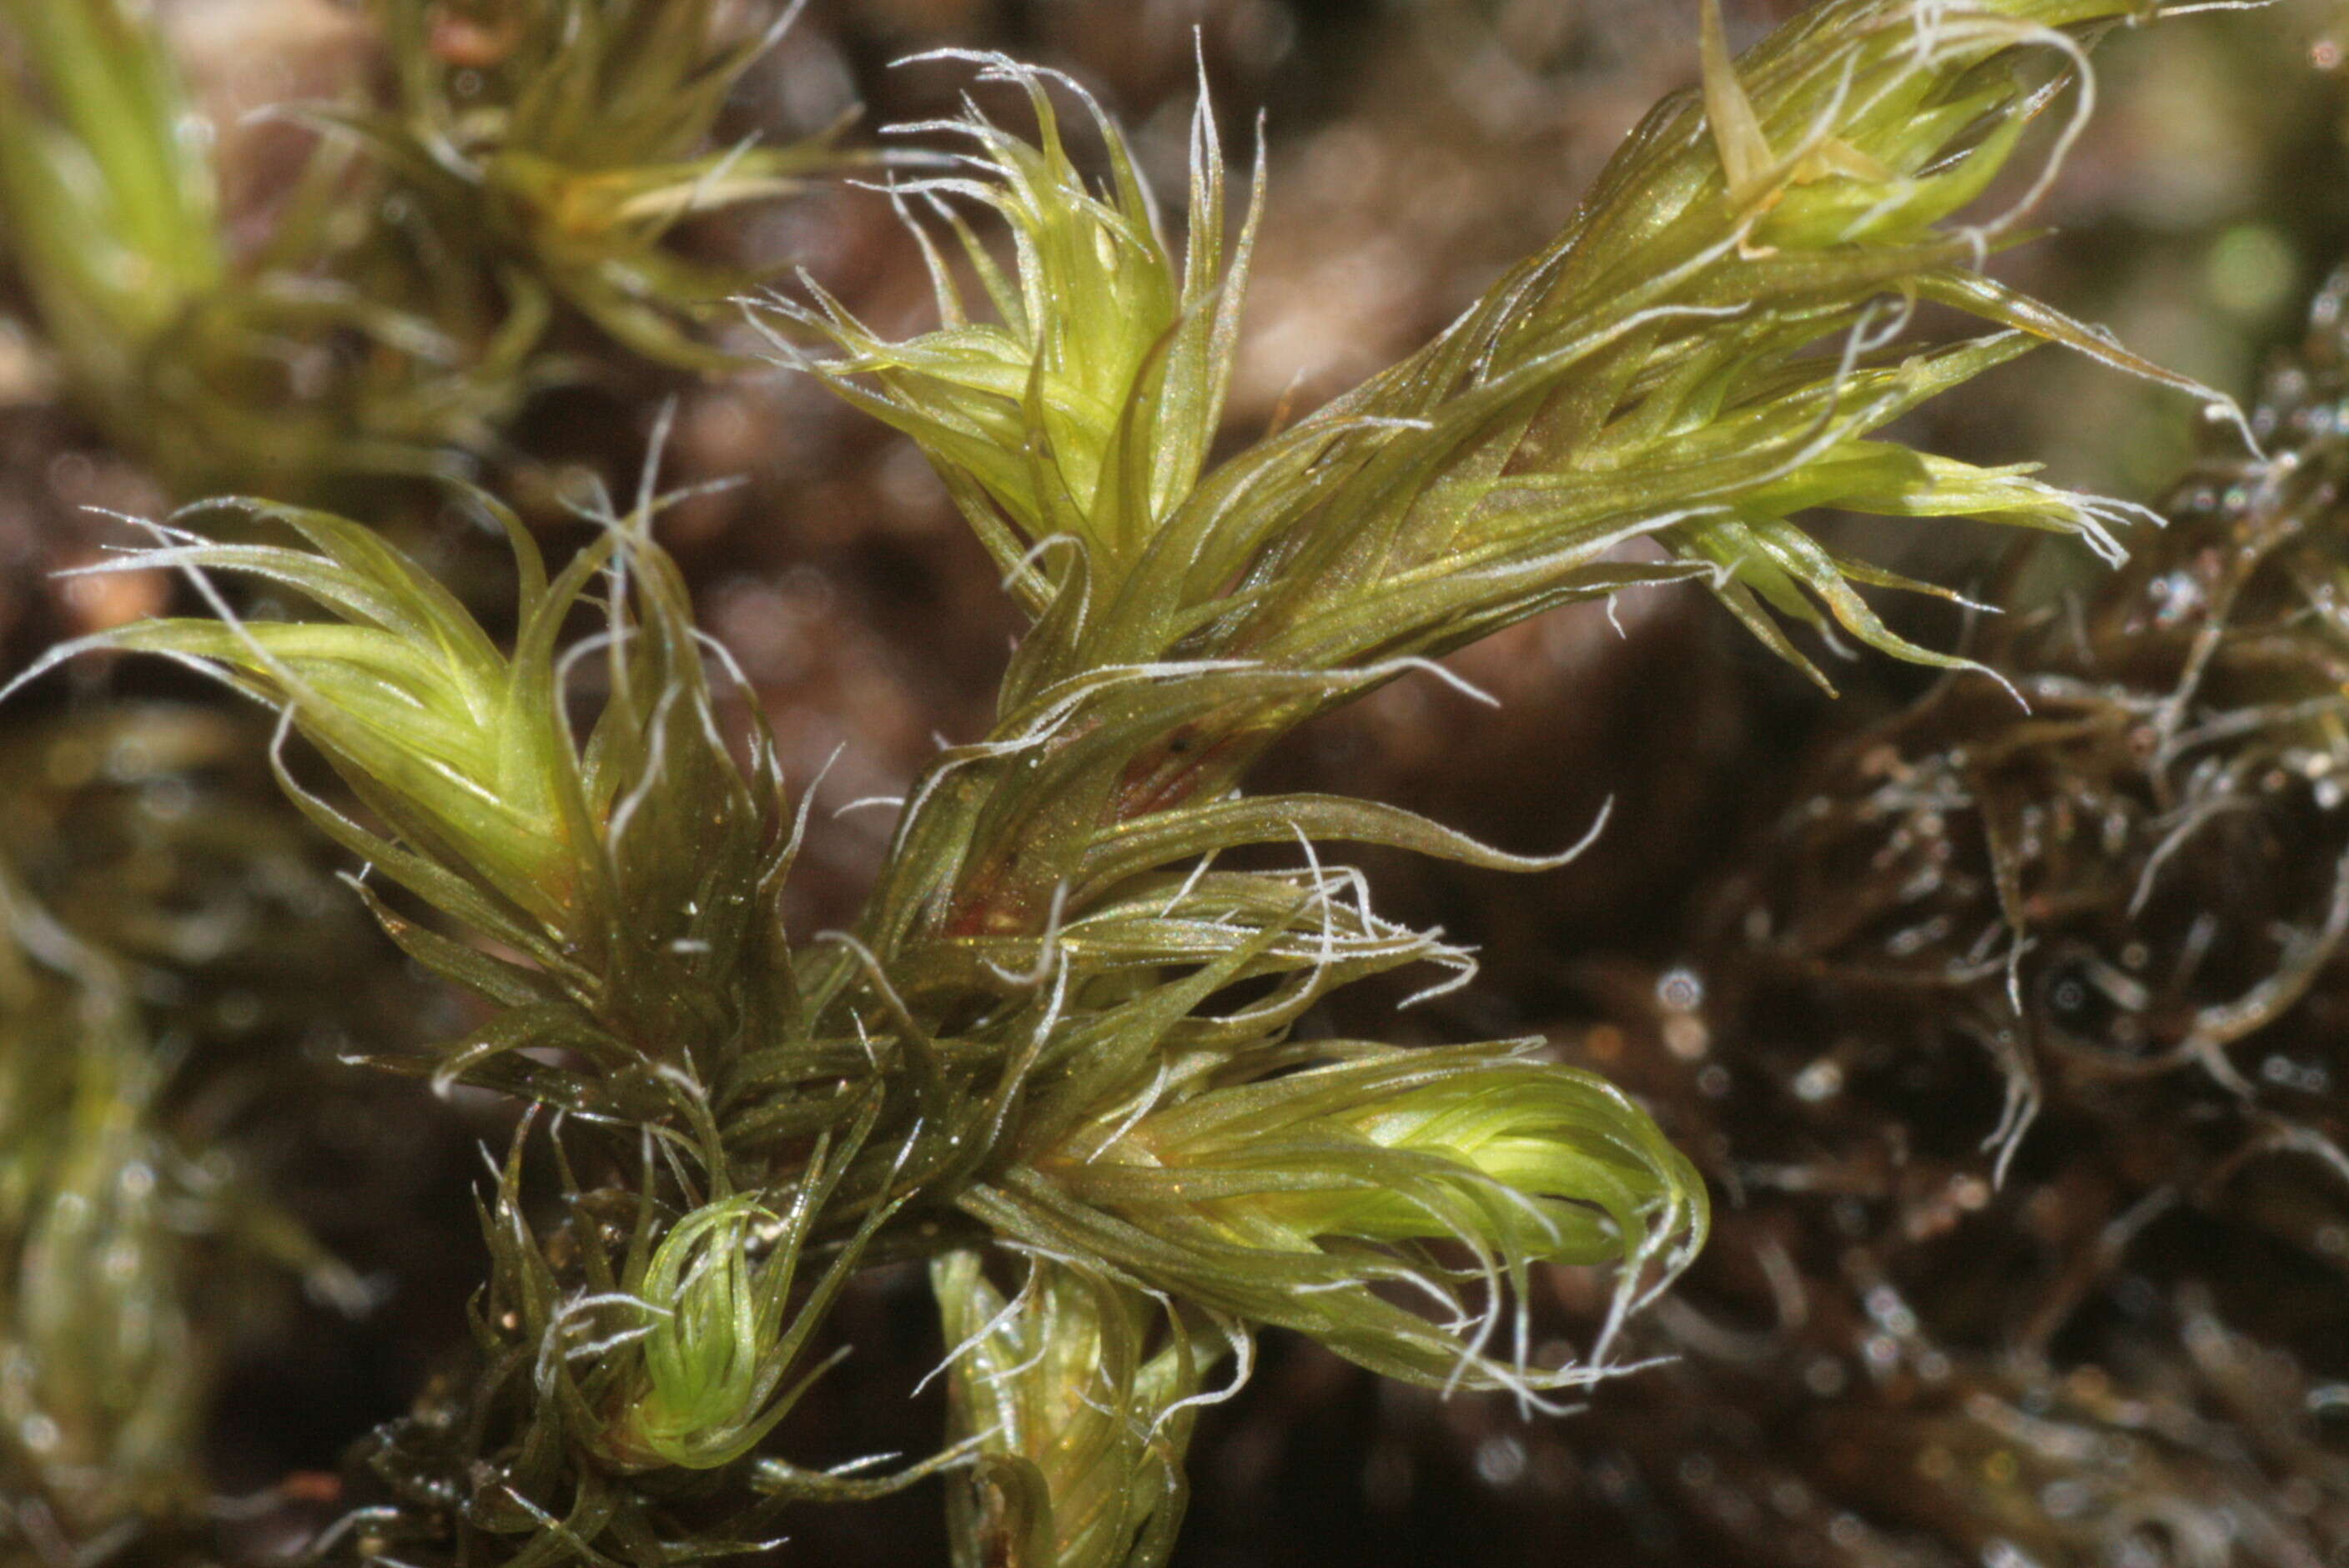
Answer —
1073 1053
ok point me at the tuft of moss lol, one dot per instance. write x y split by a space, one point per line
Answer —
400 309
1067 1043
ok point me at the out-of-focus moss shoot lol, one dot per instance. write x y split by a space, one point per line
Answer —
113 1237
118 215
102 1379
112 207
565 141
543 153
115 1374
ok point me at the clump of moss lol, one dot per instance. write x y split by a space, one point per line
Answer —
1066 1056
168 947
403 305
2027 1030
